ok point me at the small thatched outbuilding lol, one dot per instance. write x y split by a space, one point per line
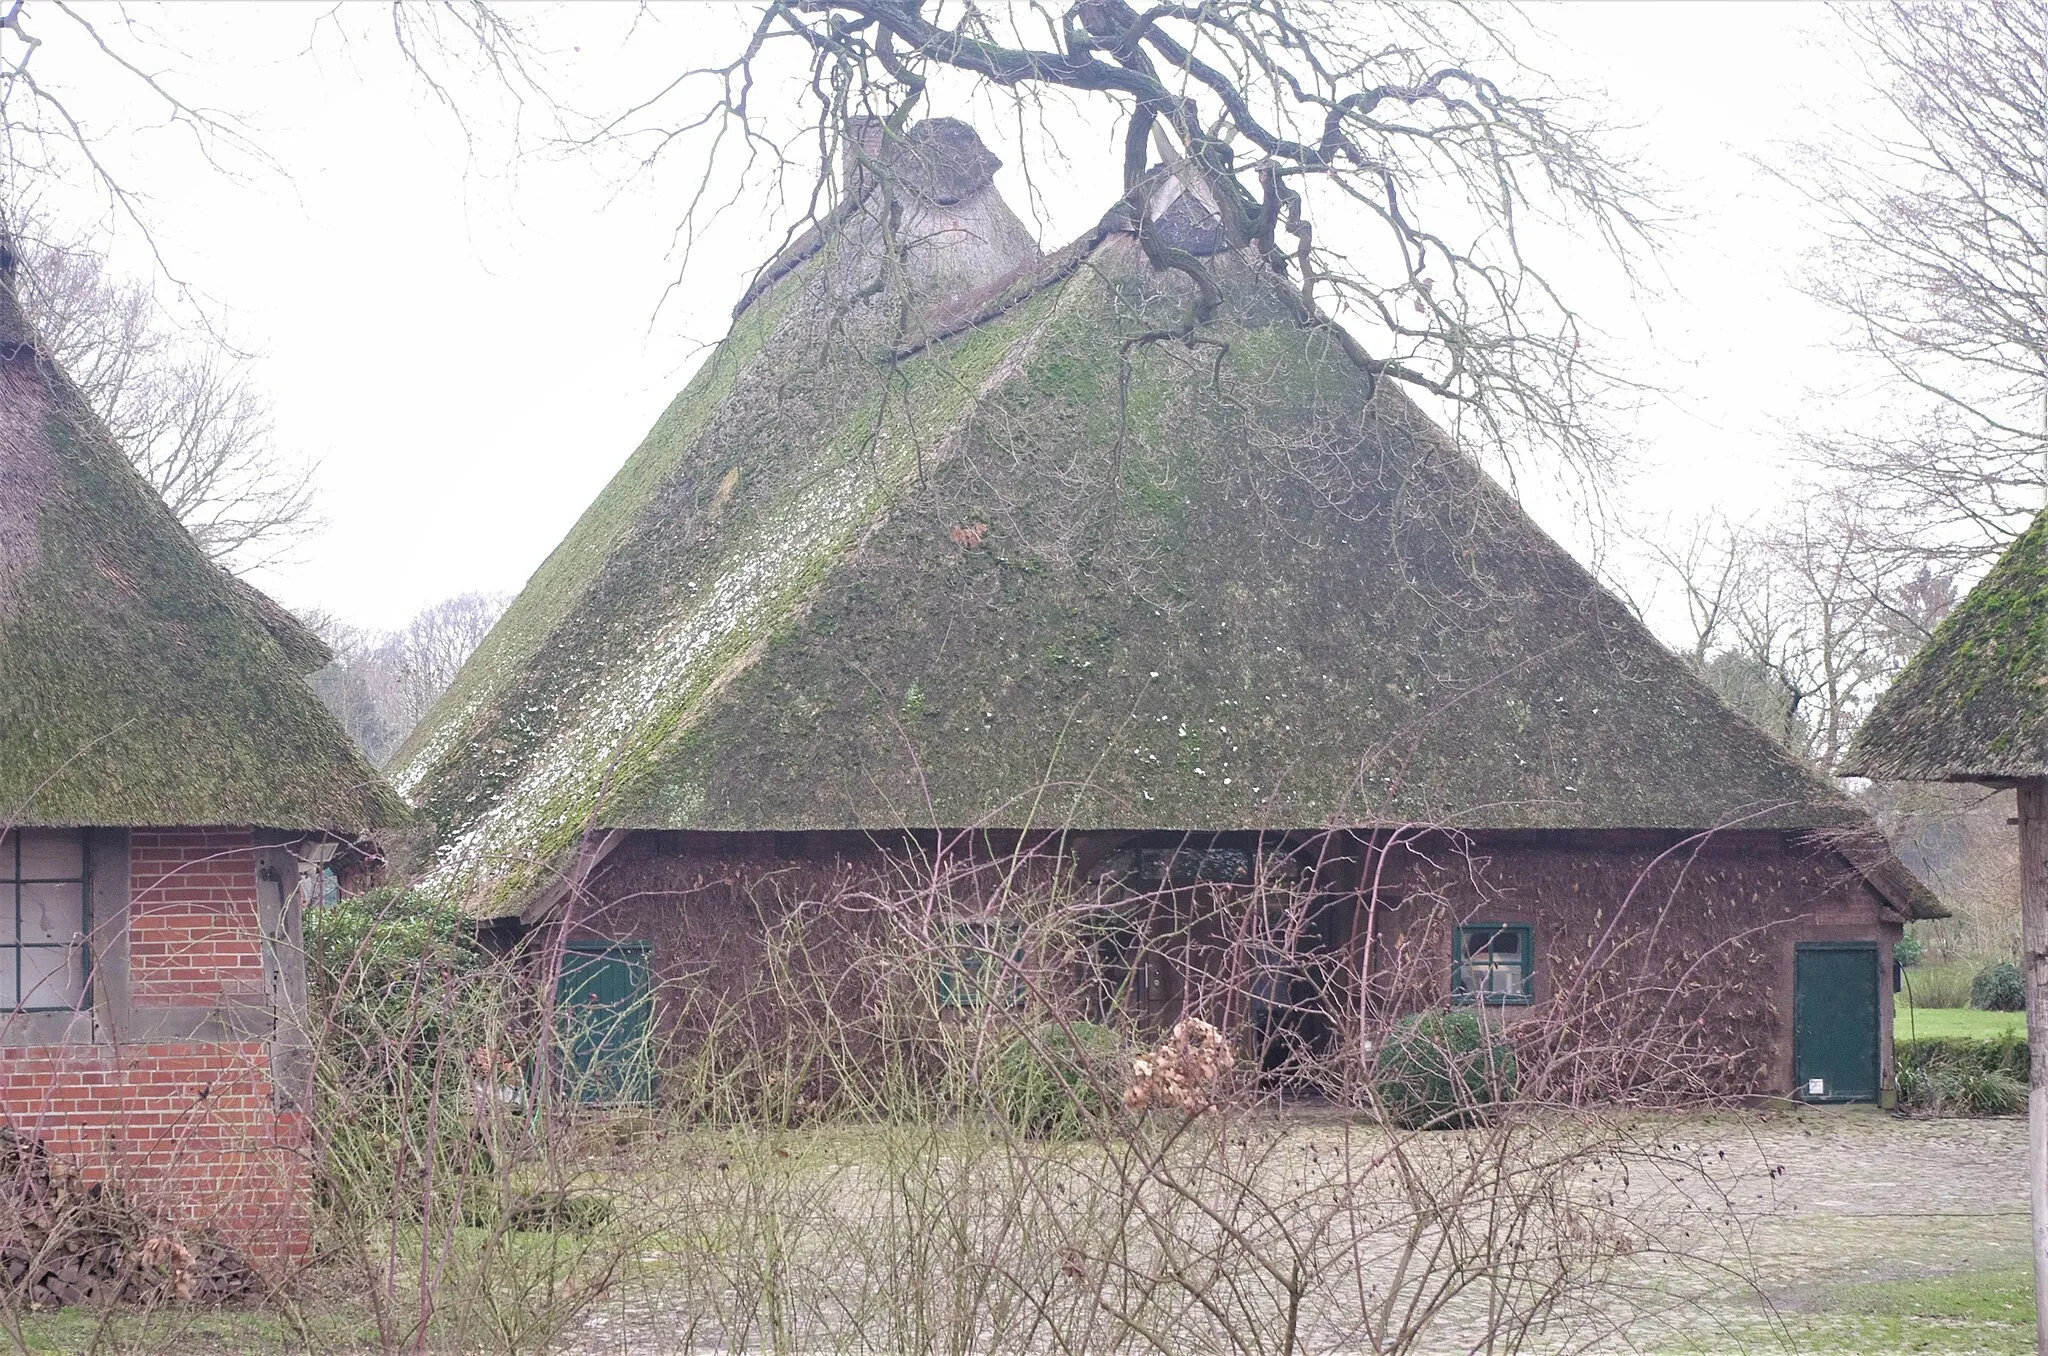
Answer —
954 541
165 776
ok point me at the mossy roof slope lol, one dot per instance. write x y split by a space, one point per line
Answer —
1972 705
1039 575
139 684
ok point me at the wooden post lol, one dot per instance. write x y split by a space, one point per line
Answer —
2033 795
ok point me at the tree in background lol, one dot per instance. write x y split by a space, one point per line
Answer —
382 683
1799 621
1400 165
1936 252
189 414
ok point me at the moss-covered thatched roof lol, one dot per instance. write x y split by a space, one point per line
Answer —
1972 705
139 684
952 545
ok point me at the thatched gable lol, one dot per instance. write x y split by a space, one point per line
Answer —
139 684
1972 705
877 569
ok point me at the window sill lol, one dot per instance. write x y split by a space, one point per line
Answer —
48 1026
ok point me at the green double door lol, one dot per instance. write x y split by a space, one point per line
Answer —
604 1006
1835 1032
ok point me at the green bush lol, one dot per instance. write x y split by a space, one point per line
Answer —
1990 1092
402 1002
1443 1069
1050 1081
1909 950
1999 987
1962 1076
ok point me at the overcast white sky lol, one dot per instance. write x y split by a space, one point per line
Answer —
470 343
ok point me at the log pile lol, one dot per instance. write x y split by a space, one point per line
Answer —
67 1241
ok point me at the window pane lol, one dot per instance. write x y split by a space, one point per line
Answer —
7 992
1484 944
7 855
52 854
1503 981
52 913
52 977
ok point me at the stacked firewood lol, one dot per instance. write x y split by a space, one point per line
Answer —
66 1241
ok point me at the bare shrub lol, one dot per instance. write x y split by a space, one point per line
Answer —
829 1161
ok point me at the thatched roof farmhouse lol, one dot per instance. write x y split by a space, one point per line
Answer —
163 770
951 534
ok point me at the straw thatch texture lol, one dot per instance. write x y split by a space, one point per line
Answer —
138 683
1042 572
1972 705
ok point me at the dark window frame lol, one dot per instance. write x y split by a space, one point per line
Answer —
1461 956
11 882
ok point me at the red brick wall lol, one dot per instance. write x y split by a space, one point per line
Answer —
1724 912
193 939
192 1125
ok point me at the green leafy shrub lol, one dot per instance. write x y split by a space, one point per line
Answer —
1050 1081
2004 1054
1909 950
1999 987
1443 1069
1990 1092
1962 1076
404 1008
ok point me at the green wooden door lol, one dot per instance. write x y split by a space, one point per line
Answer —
1835 1022
604 1009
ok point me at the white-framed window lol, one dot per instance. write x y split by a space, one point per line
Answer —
44 920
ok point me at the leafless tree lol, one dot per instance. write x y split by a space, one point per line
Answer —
435 644
1398 163
54 127
382 683
1935 255
1798 621
189 415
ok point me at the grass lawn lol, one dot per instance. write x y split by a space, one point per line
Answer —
1980 1311
1908 1022
188 1332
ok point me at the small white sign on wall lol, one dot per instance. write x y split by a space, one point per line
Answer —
1816 1087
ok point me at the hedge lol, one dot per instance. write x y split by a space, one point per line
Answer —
1962 1075
1982 1054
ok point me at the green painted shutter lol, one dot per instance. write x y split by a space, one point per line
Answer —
1835 1021
605 1007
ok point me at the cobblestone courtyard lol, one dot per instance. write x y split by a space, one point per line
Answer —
1827 1202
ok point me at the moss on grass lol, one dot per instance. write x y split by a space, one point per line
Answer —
1990 1312
198 1332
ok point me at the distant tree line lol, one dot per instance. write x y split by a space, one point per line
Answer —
1934 254
382 682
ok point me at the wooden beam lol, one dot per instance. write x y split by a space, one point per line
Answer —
2033 796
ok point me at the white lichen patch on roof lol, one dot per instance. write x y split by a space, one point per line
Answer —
637 704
